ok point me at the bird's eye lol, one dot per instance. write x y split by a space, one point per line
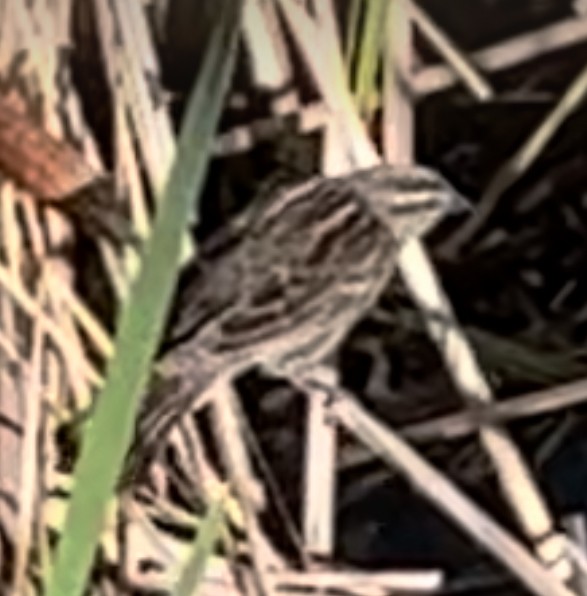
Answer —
425 205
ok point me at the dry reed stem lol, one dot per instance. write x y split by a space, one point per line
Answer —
462 66
513 474
270 65
418 274
227 416
519 163
319 476
74 361
133 72
507 54
432 79
29 493
379 583
574 525
438 489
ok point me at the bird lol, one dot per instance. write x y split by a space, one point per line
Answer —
282 287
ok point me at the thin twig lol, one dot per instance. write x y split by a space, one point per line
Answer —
506 54
235 456
460 424
72 358
28 498
456 60
518 164
361 583
445 495
100 338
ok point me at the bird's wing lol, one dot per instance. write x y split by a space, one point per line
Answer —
217 278
291 271
207 287
298 255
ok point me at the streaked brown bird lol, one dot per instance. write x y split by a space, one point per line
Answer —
283 289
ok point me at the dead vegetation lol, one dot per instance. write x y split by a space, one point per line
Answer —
468 378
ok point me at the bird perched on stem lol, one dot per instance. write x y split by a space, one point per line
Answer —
282 291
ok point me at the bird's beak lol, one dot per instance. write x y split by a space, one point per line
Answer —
460 204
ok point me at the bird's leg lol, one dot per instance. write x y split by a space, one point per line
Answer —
318 377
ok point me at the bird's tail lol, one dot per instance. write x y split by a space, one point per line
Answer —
167 401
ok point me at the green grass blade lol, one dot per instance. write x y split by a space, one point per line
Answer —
209 533
370 48
110 431
352 34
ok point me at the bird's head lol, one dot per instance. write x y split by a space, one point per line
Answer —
410 199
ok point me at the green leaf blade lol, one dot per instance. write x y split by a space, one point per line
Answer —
141 323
